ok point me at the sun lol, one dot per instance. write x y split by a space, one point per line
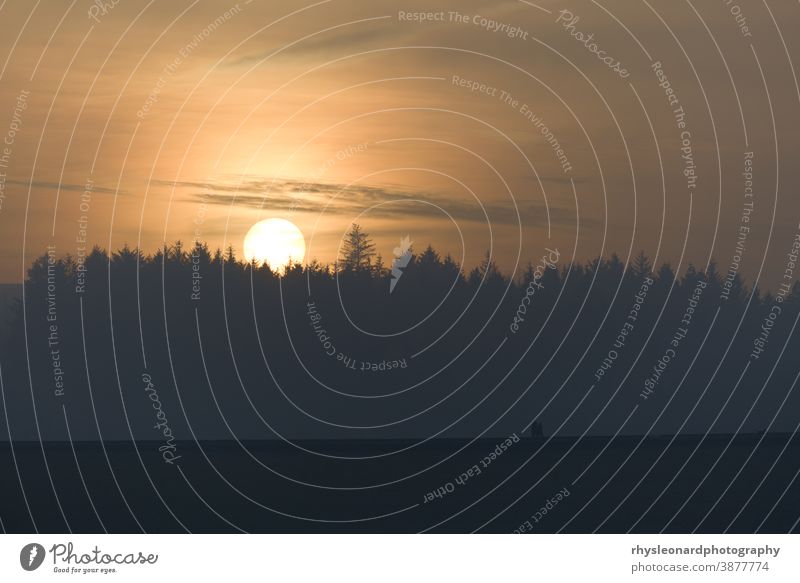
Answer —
275 242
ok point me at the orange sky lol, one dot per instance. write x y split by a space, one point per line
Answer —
197 119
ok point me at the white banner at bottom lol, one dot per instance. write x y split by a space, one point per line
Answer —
399 558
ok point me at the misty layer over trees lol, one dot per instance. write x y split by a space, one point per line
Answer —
326 351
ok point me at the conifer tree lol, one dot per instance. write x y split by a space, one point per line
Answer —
357 249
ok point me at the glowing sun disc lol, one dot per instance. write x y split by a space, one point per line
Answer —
275 242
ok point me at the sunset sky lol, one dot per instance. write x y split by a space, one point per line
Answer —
194 120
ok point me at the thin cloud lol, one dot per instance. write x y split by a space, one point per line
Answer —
66 186
281 195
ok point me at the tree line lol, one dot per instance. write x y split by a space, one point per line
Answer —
236 346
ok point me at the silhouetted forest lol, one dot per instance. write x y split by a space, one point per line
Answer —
237 348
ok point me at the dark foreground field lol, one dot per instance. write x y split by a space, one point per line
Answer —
221 487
